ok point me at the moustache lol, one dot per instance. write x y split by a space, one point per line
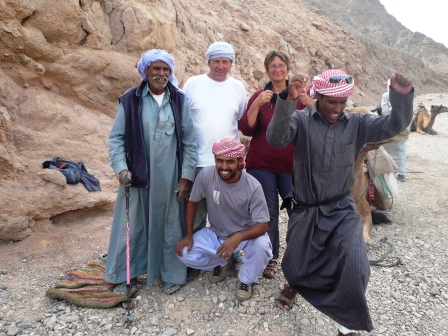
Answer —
160 77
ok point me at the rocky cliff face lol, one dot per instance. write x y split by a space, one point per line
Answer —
64 63
370 19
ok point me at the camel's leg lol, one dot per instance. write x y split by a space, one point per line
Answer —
366 228
358 192
420 121
364 211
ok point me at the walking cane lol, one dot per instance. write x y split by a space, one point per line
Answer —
128 318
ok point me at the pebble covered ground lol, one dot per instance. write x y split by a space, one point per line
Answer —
408 299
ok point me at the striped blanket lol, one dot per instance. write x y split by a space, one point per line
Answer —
85 287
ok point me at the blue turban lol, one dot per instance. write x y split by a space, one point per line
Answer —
156 55
220 49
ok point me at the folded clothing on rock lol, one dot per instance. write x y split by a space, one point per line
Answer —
74 173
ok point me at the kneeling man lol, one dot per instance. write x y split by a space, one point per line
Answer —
238 217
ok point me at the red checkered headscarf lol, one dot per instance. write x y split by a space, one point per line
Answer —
230 148
321 84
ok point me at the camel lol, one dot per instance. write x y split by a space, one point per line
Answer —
361 184
360 192
424 120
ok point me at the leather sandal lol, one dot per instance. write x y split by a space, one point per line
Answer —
285 299
170 288
271 269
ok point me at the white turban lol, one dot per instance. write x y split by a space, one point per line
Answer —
156 55
220 49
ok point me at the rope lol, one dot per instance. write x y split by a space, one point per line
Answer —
363 194
385 260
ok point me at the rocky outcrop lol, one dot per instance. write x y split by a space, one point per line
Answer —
64 63
370 19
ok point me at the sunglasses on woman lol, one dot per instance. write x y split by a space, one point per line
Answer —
337 79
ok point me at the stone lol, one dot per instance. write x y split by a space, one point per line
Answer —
317 24
169 332
244 27
13 331
51 322
24 325
305 322
71 318
434 291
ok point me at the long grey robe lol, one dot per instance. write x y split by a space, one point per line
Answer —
326 257
154 211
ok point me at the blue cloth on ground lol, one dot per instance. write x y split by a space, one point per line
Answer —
76 172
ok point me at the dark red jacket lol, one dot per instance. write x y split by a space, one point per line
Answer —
262 155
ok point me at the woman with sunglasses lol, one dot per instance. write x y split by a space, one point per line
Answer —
271 166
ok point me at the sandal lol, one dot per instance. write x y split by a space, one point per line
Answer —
122 288
170 288
285 299
271 269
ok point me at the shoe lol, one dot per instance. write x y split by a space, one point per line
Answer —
237 261
122 288
401 178
220 272
192 273
243 291
349 334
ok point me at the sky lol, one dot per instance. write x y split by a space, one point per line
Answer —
429 17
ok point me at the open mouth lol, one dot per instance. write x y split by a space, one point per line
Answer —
160 79
224 173
334 116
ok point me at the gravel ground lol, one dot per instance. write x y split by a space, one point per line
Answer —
408 299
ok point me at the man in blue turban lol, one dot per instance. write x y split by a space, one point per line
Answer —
156 55
152 150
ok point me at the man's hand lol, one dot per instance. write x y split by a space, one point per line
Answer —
185 241
305 99
183 189
296 86
401 83
125 178
226 250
